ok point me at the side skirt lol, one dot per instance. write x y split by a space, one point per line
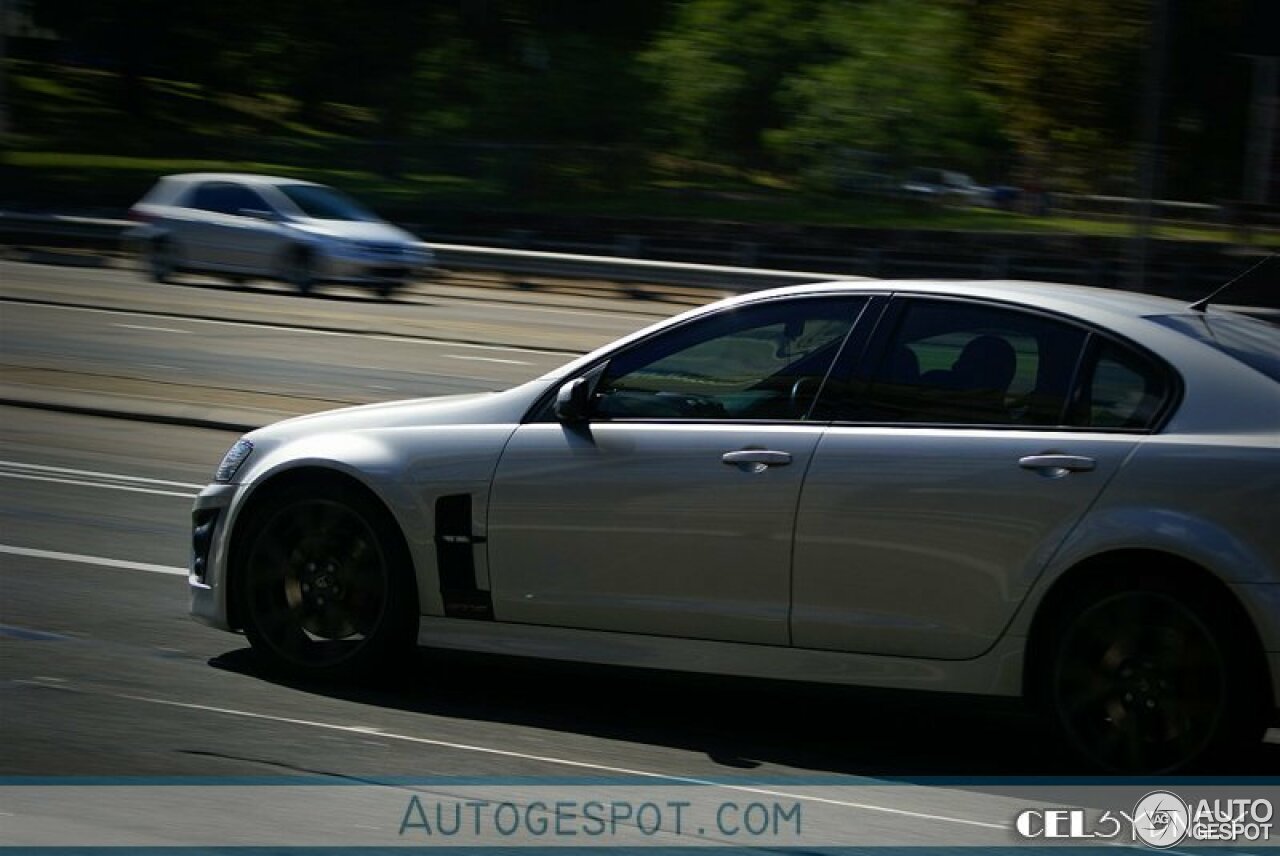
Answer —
998 672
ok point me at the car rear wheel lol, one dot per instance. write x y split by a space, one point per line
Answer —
162 260
1150 678
326 588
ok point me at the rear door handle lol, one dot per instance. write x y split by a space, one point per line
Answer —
1058 465
756 460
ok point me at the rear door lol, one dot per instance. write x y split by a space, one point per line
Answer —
961 453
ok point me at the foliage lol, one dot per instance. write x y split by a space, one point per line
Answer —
893 84
1066 75
717 69
1038 92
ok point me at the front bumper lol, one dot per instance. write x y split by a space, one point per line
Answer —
210 547
374 267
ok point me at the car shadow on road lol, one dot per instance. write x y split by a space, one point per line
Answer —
739 724
340 294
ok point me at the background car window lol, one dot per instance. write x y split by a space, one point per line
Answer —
324 203
225 198
756 362
1124 390
950 362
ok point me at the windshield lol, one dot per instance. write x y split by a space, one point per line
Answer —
1254 343
325 203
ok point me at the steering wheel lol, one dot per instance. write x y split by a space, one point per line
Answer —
798 394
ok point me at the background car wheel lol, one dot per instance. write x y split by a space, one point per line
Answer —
1147 676
299 270
326 588
162 260
387 288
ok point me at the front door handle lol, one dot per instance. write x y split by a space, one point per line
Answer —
756 460
1057 465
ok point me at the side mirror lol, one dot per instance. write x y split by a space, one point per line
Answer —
573 401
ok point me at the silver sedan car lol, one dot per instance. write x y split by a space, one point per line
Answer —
1013 489
243 226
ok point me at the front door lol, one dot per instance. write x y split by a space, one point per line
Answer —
671 510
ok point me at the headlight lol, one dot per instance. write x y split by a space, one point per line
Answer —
232 460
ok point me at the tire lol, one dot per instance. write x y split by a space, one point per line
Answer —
386 288
325 585
1150 676
299 270
162 261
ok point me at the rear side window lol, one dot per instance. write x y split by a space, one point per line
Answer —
950 362
1121 389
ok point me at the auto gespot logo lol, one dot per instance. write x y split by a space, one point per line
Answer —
1161 819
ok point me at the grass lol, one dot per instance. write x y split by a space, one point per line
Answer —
72 148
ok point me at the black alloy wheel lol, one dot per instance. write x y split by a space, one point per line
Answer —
1150 680
325 587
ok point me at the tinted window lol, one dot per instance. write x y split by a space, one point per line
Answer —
1254 343
225 198
1123 389
324 203
959 363
766 361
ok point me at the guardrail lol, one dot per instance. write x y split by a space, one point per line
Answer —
102 233
535 263
749 265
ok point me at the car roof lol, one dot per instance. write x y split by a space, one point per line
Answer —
1106 306
242 177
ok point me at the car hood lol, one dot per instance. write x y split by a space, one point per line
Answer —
486 408
352 230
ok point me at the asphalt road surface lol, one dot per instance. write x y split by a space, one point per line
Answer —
102 673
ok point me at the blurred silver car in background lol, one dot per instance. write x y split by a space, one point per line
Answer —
1013 489
244 226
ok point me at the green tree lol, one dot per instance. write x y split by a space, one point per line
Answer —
1067 76
893 82
717 68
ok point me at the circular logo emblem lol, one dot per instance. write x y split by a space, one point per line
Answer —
1161 819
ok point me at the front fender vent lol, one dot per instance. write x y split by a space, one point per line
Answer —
455 559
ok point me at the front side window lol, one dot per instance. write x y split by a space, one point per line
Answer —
950 362
763 361
325 203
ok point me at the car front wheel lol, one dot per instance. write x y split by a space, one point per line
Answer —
326 588
1150 678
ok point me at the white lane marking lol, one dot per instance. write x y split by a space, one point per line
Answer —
487 360
105 485
558 353
44 468
564 762
92 560
155 329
